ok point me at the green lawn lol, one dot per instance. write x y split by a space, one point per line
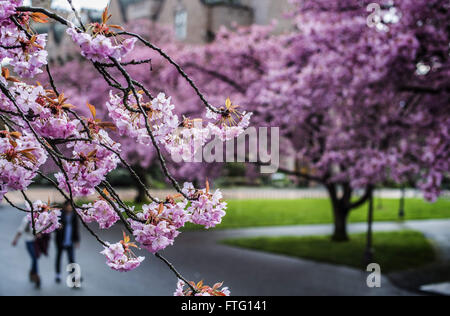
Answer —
258 213
394 251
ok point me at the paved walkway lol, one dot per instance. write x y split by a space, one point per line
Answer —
198 257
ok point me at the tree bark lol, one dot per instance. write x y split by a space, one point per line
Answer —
340 224
369 253
341 210
141 196
401 210
342 207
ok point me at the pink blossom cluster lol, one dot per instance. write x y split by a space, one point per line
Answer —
188 140
20 158
8 8
26 97
228 127
92 162
206 209
101 212
29 63
44 111
119 257
180 138
164 124
56 126
158 225
25 55
100 48
161 119
201 289
46 219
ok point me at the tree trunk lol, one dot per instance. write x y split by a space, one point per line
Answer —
341 210
141 197
369 253
342 207
401 210
340 224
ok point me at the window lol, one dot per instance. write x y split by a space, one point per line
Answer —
181 17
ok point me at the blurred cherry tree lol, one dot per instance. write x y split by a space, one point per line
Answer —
359 99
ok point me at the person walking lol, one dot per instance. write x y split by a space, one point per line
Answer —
35 245
67 237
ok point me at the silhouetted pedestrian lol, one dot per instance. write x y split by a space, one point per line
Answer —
67 237
35 245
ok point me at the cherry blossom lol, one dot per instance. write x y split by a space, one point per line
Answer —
8 8
20 158
119 256
206 208
101 212
93 162
44 110
102 44
201 289
46 219
161 118
100 48
26 54
158 225
183 140
229 125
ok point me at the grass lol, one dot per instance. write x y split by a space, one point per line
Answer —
394 251
259 213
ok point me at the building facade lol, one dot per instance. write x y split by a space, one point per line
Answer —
41 3
193 21
197 21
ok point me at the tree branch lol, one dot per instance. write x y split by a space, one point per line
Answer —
366 196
